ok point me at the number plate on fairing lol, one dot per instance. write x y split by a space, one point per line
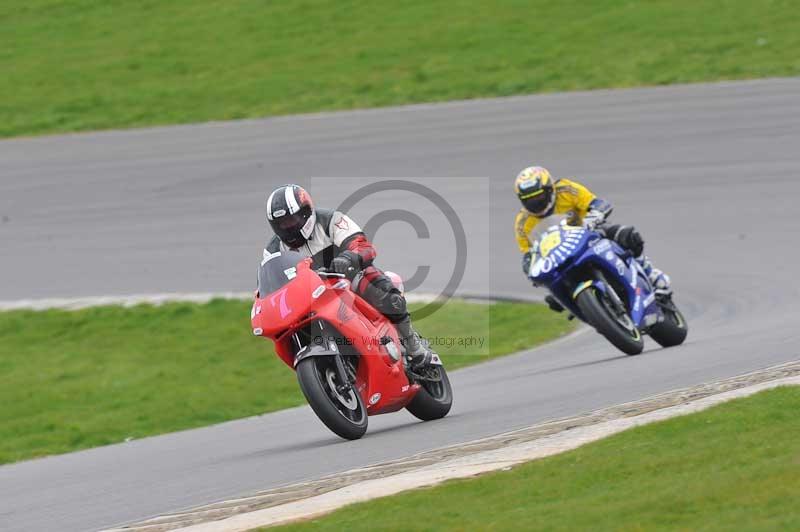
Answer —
549 243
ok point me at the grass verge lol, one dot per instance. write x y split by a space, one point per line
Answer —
71 65
733 467
72 380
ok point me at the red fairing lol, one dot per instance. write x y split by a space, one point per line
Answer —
364 248
304 298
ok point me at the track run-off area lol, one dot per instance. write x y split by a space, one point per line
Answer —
709 173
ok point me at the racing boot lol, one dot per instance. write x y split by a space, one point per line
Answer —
658 279
417 349
553 303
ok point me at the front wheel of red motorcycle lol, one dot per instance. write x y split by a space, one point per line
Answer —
339 407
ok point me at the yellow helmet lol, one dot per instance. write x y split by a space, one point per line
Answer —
534 188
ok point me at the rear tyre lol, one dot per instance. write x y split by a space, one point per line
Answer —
434 398
673 330
342 411
618 328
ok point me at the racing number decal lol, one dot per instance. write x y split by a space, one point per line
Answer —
284 308
549 243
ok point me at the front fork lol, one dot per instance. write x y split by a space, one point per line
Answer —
341 374
344 383
619 305
665 302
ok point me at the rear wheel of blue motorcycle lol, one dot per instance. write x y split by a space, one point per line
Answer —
342 411
673 330
600 314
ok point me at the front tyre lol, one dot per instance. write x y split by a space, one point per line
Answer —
673 330
435 396
616 326
342 411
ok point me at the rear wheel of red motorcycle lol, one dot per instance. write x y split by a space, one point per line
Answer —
342 411
433 399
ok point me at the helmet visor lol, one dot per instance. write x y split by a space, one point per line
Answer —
537 202
288 228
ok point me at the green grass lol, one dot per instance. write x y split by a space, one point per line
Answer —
734 467
72 380
70 65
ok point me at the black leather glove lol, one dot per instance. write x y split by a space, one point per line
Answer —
347 262
526 262
594 219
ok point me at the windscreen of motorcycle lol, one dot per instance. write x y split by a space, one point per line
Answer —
544 229
276 270
549 245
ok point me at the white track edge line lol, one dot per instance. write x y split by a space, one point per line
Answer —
77 303
467 466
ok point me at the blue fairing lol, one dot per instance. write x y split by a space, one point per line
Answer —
579 248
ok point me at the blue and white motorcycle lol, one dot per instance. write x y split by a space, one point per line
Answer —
603 285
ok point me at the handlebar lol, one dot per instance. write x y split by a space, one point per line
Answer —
323 272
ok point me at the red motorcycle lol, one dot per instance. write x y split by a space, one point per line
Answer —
348 357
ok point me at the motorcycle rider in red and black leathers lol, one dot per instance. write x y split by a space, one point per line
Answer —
337 243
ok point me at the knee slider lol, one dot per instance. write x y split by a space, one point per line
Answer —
395 305
386 298
628 237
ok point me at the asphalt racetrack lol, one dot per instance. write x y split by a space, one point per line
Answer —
709 173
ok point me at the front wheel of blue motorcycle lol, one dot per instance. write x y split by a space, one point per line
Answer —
615 324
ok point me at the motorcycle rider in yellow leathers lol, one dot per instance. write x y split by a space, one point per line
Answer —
542 196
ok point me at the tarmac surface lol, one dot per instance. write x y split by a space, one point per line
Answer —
708 173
